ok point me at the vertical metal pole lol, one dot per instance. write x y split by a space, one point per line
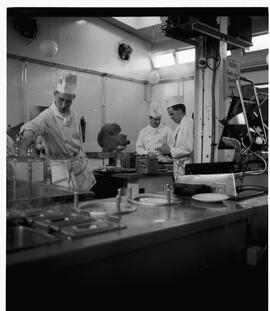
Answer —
202 116
207 111
14 178
220 90
198 107
25 108
103 103
148 90
204 110
30 174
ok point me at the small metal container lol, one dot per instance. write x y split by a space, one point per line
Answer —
145 165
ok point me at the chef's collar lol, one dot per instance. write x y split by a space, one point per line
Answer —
58 114
154 128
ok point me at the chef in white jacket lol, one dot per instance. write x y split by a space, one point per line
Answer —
154 135
182 149
60 129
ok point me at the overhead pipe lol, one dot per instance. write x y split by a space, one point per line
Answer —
72 68
93 72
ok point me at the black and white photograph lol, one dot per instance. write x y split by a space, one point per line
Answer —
135 155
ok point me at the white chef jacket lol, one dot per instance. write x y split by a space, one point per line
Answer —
150 138
182 151
64 150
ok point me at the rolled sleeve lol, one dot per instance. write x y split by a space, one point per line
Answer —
37 126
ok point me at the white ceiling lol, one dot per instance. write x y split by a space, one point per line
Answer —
146 23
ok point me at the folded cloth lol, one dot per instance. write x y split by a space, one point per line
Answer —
73 173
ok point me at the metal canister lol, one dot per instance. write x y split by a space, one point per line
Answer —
145 165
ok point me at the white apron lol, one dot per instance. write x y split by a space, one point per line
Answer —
182 152
72 173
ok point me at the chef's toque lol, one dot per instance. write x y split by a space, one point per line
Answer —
155 110
174 100
67 83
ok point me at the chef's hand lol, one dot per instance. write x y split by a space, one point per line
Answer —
151 155
164 149
28 139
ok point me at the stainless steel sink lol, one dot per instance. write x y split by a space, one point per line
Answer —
153 199
21 237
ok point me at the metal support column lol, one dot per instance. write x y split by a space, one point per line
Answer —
220 92
199 105
24 78
209 96
203 106
103 103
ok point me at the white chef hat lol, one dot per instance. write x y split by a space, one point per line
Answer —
174 100
67 83
155 110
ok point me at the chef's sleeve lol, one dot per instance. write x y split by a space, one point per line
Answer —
38 125
140 146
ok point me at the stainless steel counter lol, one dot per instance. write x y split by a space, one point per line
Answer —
145 227
192 249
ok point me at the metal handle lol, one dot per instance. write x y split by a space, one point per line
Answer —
168 195
118 204
129 193
76 201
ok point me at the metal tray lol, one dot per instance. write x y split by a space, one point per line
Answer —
59 220
90 228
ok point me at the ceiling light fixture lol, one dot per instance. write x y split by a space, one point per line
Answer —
153 77
48 47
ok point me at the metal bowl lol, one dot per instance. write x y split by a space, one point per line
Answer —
152 199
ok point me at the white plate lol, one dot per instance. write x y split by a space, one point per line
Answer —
210 197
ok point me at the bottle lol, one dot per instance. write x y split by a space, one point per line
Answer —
17 144
83 126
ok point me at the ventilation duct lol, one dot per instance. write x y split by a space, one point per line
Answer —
27 27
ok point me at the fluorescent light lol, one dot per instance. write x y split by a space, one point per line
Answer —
139 22
229 53
185 56
163 60
259 43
